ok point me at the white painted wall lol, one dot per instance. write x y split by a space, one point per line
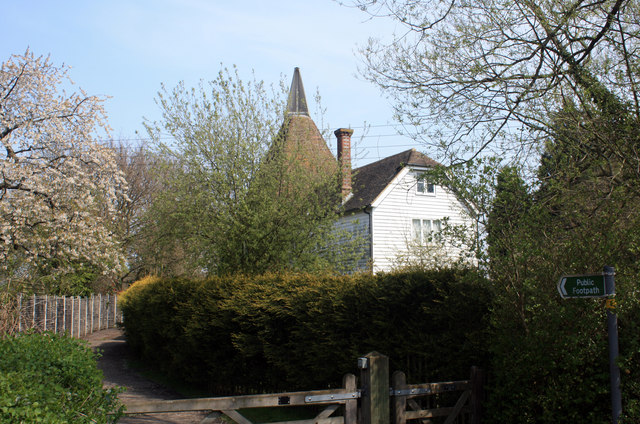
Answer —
358 224
394 210
391 219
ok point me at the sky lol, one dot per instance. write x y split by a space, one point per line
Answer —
125 49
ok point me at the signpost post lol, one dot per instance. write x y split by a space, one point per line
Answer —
599 285
612 328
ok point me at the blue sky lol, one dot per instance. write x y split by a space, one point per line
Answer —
126 49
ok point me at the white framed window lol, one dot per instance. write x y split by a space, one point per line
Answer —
425 187
425 230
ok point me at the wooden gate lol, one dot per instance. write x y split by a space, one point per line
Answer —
371 404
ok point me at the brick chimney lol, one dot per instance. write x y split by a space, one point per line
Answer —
344 158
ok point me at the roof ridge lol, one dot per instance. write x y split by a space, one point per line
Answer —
388 158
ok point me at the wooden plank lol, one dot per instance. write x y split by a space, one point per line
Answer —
434 412
414 405
236 416
231 402
351 406
326 413
312 421
444 387
399 382
458 407
330 420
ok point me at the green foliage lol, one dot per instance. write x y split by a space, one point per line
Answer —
629 359
52 379
550 356
534 89
237 195
301 331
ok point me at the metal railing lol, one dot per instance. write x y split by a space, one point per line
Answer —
78 316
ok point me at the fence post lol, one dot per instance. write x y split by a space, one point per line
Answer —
79 316
99 311
46 303
92 312
20 312
477 394
33 320
55 316
86 315
107 308
73 314
115 310
375 388
399 382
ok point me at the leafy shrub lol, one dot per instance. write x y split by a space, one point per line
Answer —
136 288
302 331
50 378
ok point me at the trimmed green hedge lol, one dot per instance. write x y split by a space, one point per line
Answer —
302 331
49 378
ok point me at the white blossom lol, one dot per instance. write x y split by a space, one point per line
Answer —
59 186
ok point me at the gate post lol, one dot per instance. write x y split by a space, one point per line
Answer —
477 394
375 388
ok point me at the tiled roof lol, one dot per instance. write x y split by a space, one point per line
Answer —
299 138
370 180
303 143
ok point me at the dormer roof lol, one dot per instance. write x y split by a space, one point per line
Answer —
370 180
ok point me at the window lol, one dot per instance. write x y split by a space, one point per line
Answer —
425 230
425 187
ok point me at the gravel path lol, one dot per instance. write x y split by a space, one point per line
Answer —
114 365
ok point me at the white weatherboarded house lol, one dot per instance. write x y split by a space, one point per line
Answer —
388 203
400 214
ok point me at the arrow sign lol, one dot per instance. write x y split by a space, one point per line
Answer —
584 286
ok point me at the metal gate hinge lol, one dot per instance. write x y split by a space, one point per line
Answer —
407 392
332 397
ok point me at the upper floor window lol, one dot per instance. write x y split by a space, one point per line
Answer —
425 230
425 187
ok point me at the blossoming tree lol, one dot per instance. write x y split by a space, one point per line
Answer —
59 186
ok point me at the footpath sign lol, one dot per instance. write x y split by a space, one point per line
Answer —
600 285
583 286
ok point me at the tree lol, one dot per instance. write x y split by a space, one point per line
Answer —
487 75
516 79
238 197
507 218
59 187
138 165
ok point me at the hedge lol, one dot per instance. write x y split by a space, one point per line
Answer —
244 334
50 378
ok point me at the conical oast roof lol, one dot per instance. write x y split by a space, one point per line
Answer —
302 141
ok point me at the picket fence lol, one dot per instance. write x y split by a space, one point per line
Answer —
78 316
